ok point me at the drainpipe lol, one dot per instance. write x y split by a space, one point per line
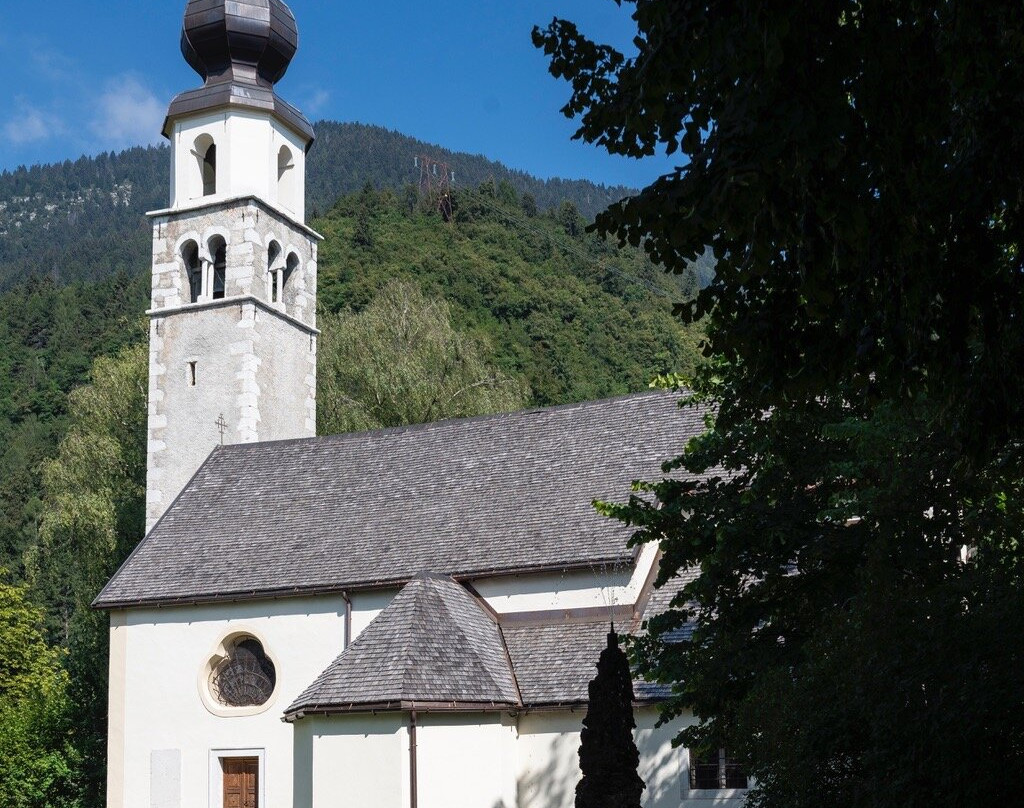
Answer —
413 797
348 619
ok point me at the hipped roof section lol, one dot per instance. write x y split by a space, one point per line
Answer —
433 644
436 647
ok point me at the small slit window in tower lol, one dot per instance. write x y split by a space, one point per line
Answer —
193 270
191 374
219 251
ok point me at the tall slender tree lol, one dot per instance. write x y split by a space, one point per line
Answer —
608 753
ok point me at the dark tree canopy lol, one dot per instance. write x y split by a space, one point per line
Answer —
856 166
608 754
857 170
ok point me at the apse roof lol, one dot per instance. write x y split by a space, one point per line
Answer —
469 498
432 645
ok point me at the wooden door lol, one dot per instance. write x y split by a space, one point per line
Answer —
241 782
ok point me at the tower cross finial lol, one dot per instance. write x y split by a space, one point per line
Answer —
221 426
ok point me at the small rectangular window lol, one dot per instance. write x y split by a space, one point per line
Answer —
191 374
716 770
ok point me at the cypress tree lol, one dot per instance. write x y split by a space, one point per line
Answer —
608 754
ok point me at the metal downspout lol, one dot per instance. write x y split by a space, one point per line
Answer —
413 796
348 619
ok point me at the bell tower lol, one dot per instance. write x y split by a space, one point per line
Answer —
233 333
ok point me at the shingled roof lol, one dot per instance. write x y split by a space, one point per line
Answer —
554 662
436 647
432 645
472 497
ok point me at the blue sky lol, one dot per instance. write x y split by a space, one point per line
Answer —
83 77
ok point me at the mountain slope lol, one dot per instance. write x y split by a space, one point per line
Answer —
575 317
83 220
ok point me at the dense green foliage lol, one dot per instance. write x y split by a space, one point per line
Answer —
80 220
399 361
854 168
49 336
346 156
572 316
93 516
608 753
37 760
84 220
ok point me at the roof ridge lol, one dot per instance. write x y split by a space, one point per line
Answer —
407 644
468 644
342 437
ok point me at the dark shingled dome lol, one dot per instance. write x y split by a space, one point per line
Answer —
241 48
251 41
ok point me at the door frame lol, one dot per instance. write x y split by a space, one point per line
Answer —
217 774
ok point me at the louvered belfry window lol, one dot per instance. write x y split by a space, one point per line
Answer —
246 678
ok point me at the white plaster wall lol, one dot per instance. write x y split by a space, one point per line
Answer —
248 142
356 761
367 605
548 759
466 760
594 588
165 651
183 162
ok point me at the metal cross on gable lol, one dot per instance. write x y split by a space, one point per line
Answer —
221 425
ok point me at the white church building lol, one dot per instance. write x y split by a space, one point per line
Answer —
405 618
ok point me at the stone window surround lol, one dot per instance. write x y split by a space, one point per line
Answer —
214 658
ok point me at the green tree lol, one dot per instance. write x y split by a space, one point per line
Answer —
608 753
400 361
849 166
93 516
37 762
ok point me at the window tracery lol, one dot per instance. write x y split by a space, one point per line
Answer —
246 677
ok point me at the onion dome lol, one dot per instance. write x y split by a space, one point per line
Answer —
239 40
241 48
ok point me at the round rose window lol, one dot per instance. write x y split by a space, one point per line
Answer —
245 677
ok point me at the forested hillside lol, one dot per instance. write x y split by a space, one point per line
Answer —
574 317
83 220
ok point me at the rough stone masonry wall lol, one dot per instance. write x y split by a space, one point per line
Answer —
236 370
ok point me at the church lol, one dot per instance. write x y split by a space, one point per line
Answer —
405 618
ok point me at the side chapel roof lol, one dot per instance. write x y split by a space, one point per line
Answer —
432 644
467 498
436 647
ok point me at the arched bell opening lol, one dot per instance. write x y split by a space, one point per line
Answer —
218 257
193 271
